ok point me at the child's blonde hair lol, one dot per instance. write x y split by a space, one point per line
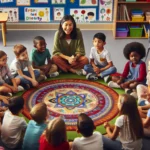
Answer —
19 48
2 53
129 108
39 112
56 132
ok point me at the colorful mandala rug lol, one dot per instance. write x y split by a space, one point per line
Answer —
69 97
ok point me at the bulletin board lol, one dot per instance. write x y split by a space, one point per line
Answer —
92 11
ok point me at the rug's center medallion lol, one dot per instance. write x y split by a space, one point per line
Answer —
68 98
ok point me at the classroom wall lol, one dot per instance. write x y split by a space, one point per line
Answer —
103 18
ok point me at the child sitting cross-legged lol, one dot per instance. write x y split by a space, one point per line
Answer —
8 84
55 136
39 55
90 140
21 68
35 127
101 64
13 126
134 71
128 127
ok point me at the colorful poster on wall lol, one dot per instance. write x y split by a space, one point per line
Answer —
37 14
83 15
58 1
23 2
13 15
105 10
58 13
40 1
88 2
6 1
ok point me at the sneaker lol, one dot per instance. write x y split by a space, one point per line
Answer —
128 91
10 94
20 88
54 74
41 78
91 76
134 94
113 84
106 78
81 72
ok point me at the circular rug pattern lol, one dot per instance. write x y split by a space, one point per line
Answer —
70 97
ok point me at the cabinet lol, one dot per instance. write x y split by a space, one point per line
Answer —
121 19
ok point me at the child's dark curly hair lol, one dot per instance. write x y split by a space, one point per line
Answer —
134 47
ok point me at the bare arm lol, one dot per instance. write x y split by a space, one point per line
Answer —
112 134
110 64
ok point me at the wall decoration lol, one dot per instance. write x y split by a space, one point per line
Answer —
6 1
83 15
58 13
37 14
13 15
58 1
88 2
40 1
72 1
105 10
23 2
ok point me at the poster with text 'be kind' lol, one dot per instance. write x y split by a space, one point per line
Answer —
35 14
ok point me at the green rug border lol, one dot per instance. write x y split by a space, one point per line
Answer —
72 134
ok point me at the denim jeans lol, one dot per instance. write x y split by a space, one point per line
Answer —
109 144
89 69
25 81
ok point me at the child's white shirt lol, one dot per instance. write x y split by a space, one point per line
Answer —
101 59
93 142
19 65
125 135
11 129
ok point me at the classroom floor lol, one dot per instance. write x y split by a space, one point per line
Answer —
115 47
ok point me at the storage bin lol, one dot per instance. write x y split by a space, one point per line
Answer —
147 14
130 0
137 18
136 30
122 31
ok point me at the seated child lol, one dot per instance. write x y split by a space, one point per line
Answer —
13 125
101 64
28 77
146 124
39 55
128 127
90 140
55 136
8 84
35 127
135 69
143 91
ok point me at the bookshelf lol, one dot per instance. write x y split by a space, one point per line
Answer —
122 17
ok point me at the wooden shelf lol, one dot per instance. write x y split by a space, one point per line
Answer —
143 37
126 8
142 2
122 21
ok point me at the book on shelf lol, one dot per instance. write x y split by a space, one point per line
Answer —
122 13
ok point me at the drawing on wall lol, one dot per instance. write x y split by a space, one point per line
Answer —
37 14
58 13
88 2
23 2
13 15
6 1
83 15
105 10
40 1
58 1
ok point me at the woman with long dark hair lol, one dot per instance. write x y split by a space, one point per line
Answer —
69 48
